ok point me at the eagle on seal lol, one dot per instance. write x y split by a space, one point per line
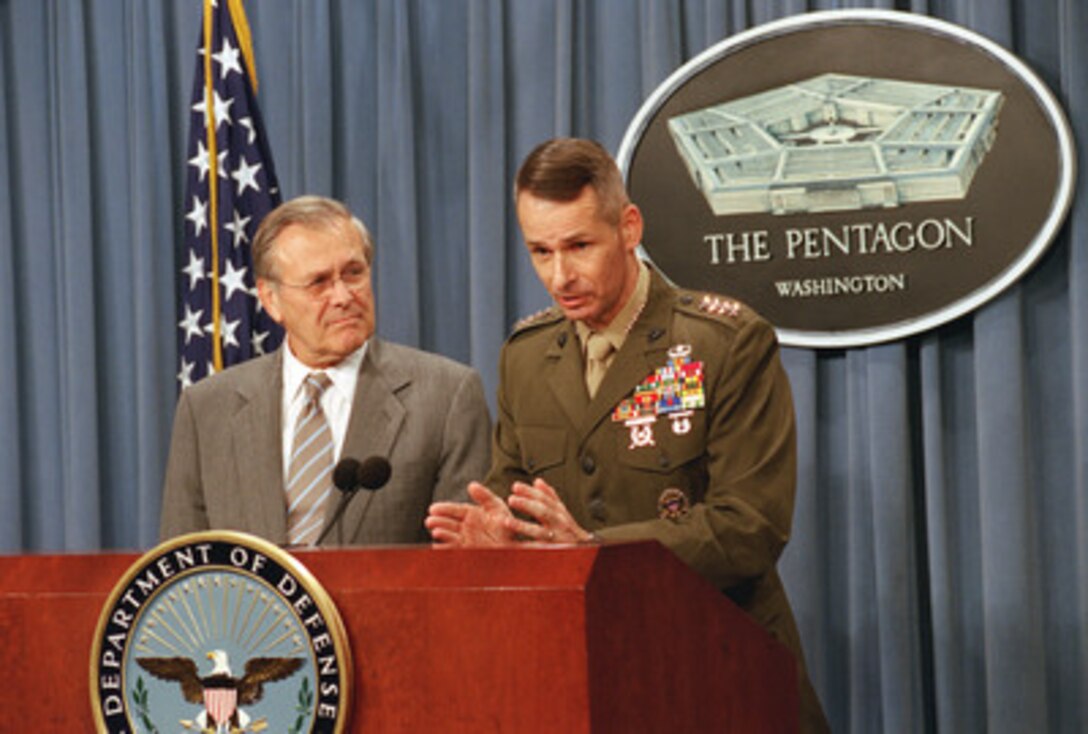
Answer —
220 692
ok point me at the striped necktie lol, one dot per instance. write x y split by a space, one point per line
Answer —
309 478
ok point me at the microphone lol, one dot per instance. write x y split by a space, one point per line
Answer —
373 473
349 476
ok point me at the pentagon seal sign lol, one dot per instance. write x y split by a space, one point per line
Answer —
855 176
222 633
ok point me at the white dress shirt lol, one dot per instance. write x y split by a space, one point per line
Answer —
336 401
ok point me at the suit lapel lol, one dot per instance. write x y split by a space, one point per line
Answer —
376 414
258 448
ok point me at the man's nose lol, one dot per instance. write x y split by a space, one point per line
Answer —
340 292
561 271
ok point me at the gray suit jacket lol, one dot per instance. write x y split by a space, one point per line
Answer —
425 413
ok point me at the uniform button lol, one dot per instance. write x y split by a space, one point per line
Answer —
562 339
656 334
588 464
596 509
663 460
530 464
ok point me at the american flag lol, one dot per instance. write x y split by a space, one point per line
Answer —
230 186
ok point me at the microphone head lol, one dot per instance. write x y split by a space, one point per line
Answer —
373 473
345 475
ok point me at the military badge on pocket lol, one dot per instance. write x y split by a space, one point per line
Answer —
673 504
675 390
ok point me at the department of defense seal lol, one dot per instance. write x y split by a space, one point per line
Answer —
222 633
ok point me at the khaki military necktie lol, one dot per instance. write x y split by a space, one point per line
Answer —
309 478
598 351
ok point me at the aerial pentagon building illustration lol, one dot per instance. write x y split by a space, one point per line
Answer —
836 142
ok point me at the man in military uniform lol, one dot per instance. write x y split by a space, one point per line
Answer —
634 410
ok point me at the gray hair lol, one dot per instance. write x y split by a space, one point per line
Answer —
312 212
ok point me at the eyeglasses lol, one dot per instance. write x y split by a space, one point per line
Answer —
354 277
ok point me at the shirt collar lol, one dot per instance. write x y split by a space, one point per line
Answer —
616 331
342 374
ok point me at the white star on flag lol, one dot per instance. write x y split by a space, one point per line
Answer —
237 227
251 132
185 374
195 269
198 215
220 106
233 280
228 59
190 324
227 329
257 341
246 176
200 160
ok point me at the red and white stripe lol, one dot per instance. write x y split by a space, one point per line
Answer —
220 703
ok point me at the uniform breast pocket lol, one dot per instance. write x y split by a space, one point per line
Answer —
658 449
663 477
542 448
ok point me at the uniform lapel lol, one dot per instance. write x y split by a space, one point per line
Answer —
565 376
258 449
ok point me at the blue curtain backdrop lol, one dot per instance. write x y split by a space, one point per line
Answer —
939 564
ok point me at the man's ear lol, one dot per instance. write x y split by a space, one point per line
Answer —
270 299
631 227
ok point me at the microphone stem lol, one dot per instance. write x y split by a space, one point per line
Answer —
335 519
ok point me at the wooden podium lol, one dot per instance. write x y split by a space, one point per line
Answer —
615 638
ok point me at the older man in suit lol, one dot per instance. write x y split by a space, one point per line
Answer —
254 446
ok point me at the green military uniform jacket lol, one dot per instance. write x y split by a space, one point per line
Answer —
735 461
